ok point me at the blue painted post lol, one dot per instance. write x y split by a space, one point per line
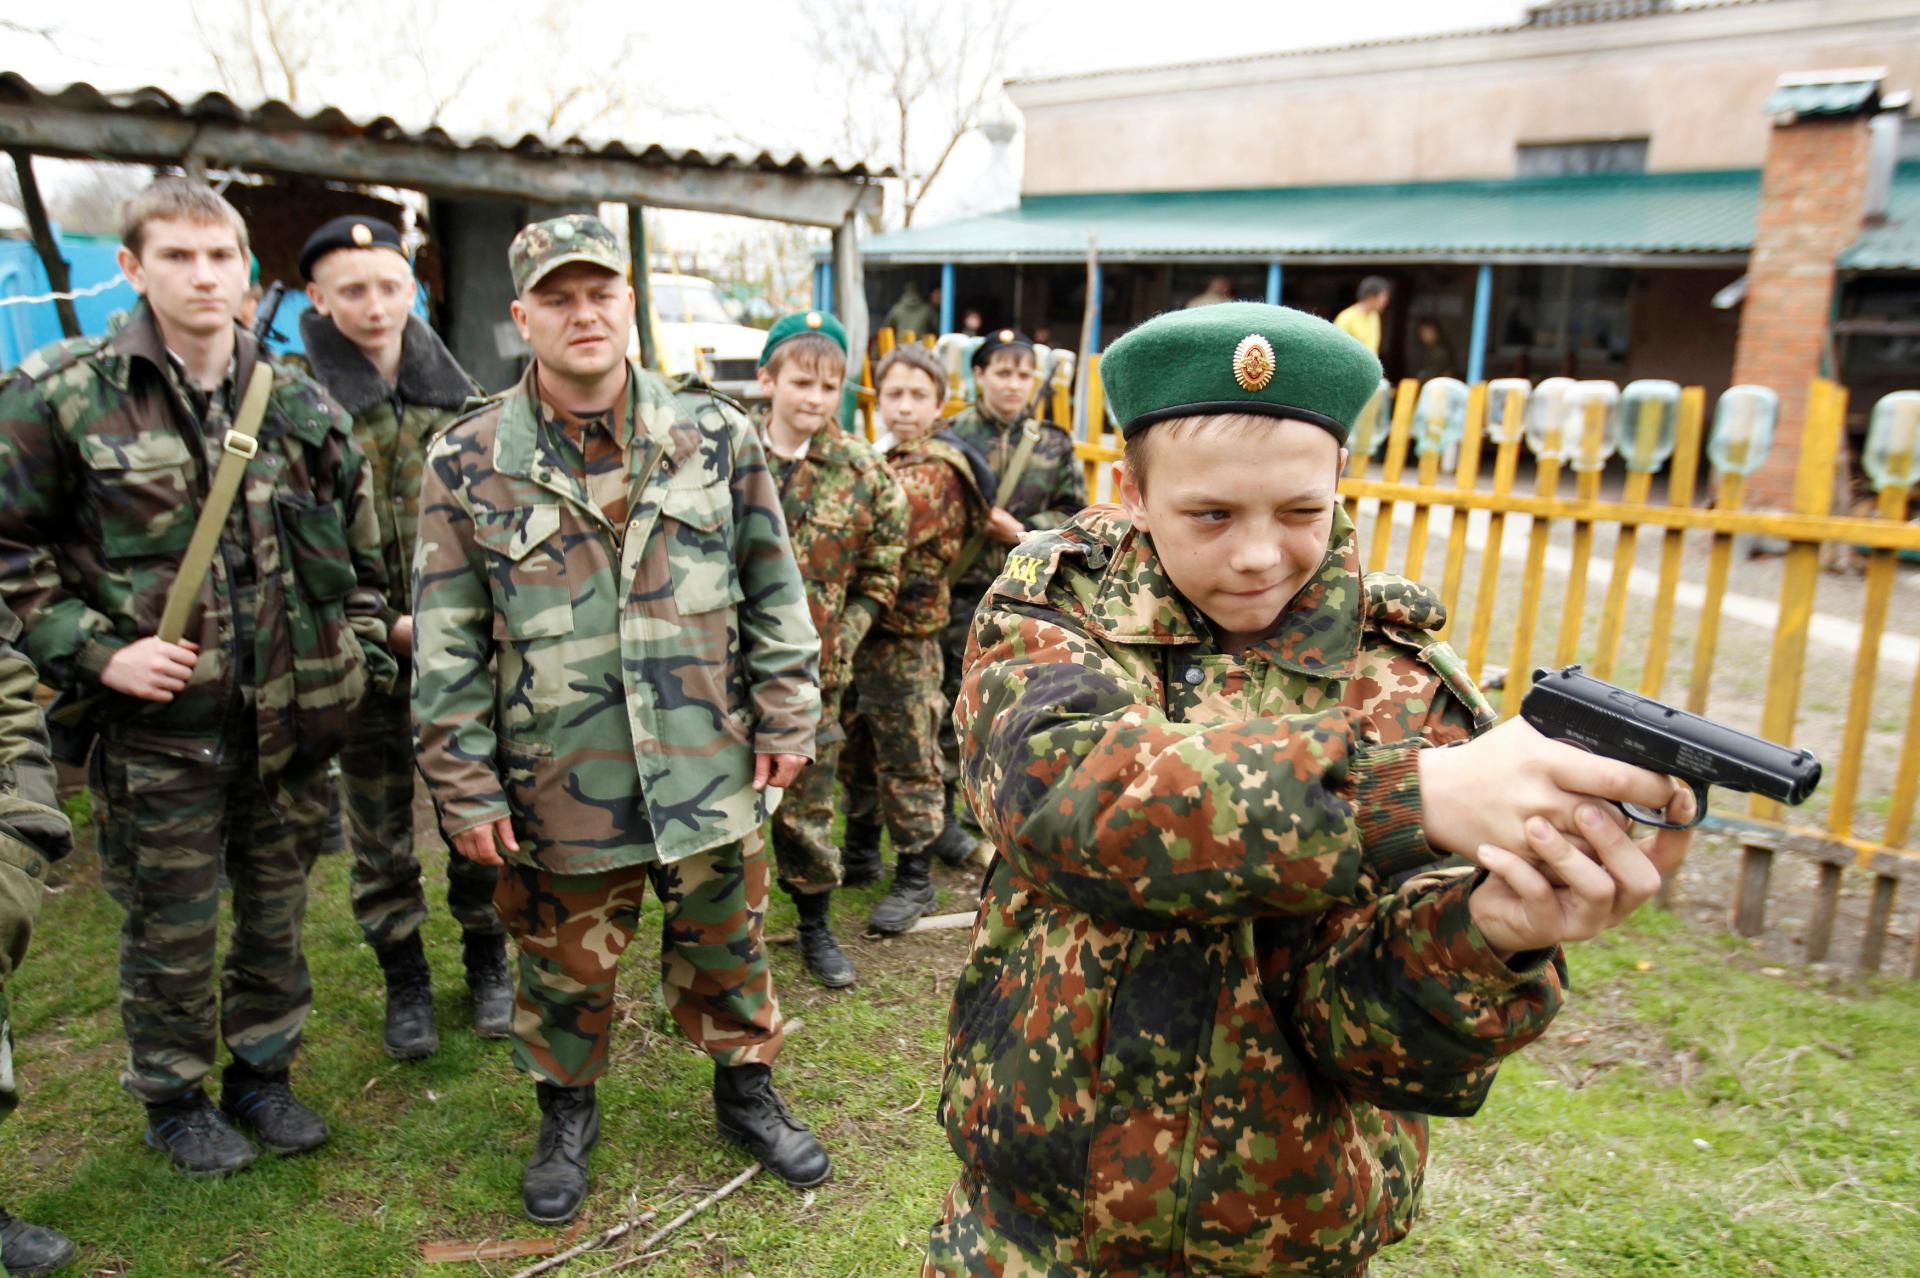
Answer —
1273 282
1482 311
1096 284
823 286
946 297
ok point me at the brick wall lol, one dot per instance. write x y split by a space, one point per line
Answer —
1812 199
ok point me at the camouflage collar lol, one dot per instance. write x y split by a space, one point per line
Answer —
830 445
1136 602
517 448
935 448
139 340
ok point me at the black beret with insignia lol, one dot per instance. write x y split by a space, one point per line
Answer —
1001 339
1239 357
351 232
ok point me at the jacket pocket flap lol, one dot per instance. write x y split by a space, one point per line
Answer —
153 450
514 533
705 507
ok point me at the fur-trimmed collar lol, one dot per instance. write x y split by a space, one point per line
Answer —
429 374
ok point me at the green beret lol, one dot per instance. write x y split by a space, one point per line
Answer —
803 322
1239 357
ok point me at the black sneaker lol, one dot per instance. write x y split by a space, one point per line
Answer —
266 1106
752 1114
198 1137
31 1249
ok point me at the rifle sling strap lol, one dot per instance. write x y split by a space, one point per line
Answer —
239 447
1009 480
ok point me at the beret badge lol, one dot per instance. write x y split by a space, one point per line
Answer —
1253 362
814 319
362 234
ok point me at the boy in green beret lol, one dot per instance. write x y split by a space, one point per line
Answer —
1217 980
1040 484
847 519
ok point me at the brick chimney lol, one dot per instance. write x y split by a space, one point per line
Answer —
1813 194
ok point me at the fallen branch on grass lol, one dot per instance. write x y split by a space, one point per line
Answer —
628 1226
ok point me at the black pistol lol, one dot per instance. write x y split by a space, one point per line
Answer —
1578 708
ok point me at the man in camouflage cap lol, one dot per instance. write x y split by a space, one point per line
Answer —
402 387
612 660
33 832
213 750
1199 737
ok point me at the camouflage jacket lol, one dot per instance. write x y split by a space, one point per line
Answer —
847 517
606 687
1052 488
944 507
1199 1022
392 425
33 830
102 471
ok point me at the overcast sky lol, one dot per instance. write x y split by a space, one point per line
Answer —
739 69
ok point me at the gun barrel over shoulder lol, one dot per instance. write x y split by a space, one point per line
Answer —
1572 706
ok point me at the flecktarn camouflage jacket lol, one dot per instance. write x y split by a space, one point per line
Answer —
1199 1022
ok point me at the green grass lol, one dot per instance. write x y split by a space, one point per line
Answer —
1584 1161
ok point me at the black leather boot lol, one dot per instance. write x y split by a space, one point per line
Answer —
31 1249
910 896
824 958
955 799
752 1114
555 1182
197 1136
265 1105
410 1034
953 845
860 852
489 983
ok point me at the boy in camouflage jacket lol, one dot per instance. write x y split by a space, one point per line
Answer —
213 750
402 388
890 770
1208 1003
1049 488
847 519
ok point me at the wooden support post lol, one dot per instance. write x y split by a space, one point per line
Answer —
1826 907
1873 945
58 278
640 247
1750 907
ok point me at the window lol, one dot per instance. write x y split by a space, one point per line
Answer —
1564 159
1564 313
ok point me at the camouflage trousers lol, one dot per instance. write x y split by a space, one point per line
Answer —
953 655
890 766
572 928
803 843
166 828
21 892
377 775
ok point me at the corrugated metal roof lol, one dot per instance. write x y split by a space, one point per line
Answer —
1560 218
332 122
1894 244
1837 97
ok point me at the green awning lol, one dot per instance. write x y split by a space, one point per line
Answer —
1893 244
1618 217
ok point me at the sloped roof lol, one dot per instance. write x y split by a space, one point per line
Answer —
1894 243
149 125
1609 216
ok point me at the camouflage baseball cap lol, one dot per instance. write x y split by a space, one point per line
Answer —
544 247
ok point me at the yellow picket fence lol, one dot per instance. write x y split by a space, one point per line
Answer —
1888 854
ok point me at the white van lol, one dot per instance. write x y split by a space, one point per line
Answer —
696 335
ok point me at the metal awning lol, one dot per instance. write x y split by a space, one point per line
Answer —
150 126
